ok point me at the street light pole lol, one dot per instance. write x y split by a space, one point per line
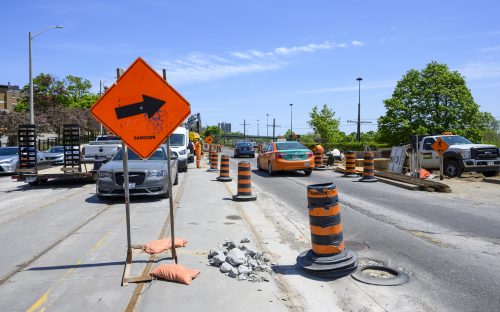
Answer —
291 114
30 38
358 132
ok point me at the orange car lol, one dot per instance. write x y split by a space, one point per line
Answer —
285 156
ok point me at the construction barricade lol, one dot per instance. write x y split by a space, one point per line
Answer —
318 157
350 165
368 168
224 169
244 183
328 256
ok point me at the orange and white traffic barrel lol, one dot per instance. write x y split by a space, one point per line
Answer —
368 168
224 169
328 257
244 183
318 158
214 160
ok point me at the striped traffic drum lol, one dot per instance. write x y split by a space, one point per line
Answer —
350 165
368 168
328 256
244 183
224 169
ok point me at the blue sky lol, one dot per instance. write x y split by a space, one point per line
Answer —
236 60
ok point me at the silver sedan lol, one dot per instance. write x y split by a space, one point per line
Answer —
146 176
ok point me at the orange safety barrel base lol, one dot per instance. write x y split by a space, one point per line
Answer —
328 257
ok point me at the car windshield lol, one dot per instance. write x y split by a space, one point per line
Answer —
158 155
244 144
6 151
177 139
56 149
289 146
455 139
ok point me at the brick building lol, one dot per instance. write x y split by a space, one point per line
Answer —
9 96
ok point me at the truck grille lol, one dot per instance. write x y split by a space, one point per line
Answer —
133 177
485 153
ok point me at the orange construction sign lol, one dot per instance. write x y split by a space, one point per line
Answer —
141 108
440 146
209 139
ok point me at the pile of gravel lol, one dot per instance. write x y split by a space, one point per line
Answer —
242 262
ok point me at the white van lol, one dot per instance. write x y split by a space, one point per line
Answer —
179 141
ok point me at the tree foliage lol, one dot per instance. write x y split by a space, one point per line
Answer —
56 103
213 131
432 100
324 124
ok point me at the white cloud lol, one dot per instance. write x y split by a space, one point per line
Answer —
357 43
354 87
480 70
491 49
204 67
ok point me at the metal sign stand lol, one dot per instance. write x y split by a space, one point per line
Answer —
441 167
170 197
126 186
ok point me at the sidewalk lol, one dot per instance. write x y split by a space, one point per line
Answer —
206 216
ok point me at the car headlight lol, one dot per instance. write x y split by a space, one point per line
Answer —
105 174
6 161
157 173
465 154
182 152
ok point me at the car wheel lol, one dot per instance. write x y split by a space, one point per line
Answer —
270 169
452 169
308 172
176 181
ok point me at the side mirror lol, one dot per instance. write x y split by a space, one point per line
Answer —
173 156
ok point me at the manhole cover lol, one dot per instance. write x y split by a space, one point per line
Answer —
380 275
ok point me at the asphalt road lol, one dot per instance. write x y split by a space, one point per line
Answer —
447 243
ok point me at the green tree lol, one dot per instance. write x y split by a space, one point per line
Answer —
213 131
324 124
432 100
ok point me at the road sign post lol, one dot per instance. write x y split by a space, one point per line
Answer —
440 147
143 110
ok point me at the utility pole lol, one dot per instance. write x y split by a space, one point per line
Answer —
358 132
274 128
244 129
267 125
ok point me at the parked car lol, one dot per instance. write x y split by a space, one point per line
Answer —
286 156
146 177
55 155
9 157
103 148
179 141
244 149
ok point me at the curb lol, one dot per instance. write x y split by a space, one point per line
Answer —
407 186
491 180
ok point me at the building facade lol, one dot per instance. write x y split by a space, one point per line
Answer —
225 126
9 96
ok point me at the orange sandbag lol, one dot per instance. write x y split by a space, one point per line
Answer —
160 245
175 272
424 174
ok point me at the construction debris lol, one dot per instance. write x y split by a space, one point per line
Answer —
242 262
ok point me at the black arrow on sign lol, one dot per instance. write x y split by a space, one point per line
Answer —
149 106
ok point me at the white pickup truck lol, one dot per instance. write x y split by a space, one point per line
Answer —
461 156
103 148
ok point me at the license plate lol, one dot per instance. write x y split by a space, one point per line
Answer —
295 157
306 164
30 179
490 163
131 185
